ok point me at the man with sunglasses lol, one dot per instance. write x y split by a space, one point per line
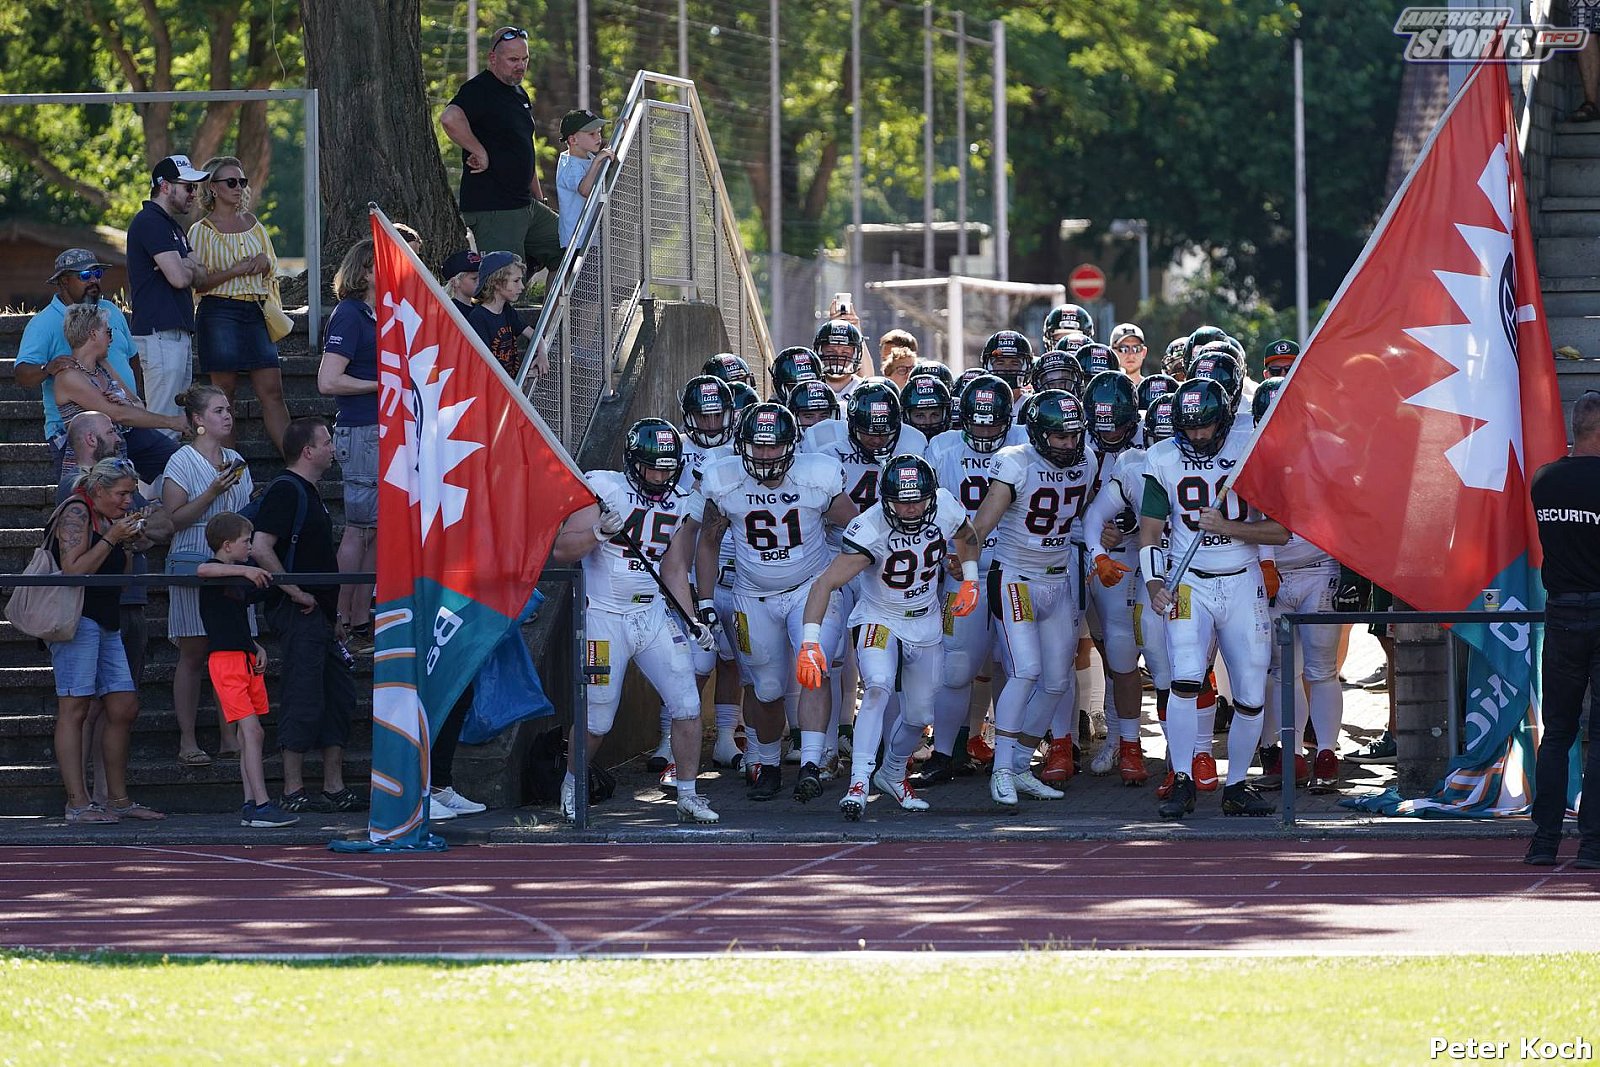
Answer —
163 273
1127 341
491 120
44 351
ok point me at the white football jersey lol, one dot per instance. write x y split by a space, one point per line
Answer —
1033 537
1121 486
832 438
778 541
900 589
1297 553
613 578
965 473
1189 486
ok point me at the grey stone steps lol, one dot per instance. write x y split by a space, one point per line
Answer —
1580 331
1569 256
1574 177
1576 140
29 738
1572 224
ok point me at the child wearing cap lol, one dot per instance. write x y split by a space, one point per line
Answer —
495 320
579 167
460 276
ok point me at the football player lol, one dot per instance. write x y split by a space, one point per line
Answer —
839 345
925 404
642 512
1221 600
794 365
1096 359
1037 491
812 402
897 549
1065 318
928 367
961 461
775 501
730 368
1008 356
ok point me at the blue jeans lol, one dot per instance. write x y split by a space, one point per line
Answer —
231 335
92 664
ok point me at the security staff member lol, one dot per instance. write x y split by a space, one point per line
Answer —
1566 504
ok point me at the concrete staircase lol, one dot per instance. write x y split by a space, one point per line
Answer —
1569 253
29 780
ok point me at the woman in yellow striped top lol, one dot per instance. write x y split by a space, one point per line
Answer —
230 329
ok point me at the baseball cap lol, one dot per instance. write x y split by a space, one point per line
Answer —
488 264
581 121
1281 351
74 259
463 262
177 169
1125 330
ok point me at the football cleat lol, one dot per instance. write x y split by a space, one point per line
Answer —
1205 772
1164 790
809 785
767 781
935 769
1130 763
1180 800
568 810
793 755
1242 798
661 756
1003 788
695 808
1105 757
980 751
1058 763
854 802
669 777
1027 785
901 791
1326 767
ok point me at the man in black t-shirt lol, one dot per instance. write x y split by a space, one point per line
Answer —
319 694
1566 505
491 119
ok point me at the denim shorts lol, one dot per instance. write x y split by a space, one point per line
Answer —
231 336
92 664
357 450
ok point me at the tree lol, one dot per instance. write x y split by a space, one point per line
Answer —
378 143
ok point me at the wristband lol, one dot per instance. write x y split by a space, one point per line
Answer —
702 605
969 570
1152 563
811 633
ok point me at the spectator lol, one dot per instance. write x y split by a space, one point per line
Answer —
90 535
1586 14
88 384
897 355
410 236
579 167
349 373
44 352
162 274
202 479
230 328
237 662
491 119
444 802
94 438
495 319
319 695
461 280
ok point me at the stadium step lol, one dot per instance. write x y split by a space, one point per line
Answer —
1566 256
1574 176
1576 140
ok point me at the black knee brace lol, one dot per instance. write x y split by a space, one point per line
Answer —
1184 688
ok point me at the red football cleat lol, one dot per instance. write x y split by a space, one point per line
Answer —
1058 766
1130 763
1205 772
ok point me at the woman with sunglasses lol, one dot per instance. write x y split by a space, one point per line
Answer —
92 533
230 329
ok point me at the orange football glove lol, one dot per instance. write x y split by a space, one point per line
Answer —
966 600
811 666
1108 570
1270 578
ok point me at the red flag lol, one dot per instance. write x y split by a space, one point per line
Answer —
1409 428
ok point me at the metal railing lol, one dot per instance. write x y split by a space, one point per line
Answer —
658 223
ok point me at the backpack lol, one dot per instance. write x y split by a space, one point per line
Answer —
252 510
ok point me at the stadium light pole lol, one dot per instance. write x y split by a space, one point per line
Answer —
1002 195
683 39
961 141
1301 299
775 166
583 54
856 273
927 141
472 38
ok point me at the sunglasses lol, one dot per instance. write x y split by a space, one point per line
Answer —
511 34
1132 348
232 183
93 274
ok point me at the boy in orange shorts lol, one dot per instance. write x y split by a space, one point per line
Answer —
237 662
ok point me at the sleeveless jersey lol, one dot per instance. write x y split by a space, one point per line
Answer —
778 542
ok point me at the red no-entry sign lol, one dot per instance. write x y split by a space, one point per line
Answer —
1086 282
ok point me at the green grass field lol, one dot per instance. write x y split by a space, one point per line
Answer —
916 1009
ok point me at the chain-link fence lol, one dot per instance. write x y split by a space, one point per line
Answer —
658 224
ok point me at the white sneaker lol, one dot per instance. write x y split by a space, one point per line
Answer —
1105 757
439 811
458 803
854 802
697 809
1003 788
901 791
669 777
1028 785
568 811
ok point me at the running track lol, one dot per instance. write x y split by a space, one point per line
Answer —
557 899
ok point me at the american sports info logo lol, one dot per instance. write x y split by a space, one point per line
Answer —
1467 35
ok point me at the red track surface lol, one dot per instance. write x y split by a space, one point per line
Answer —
1384 896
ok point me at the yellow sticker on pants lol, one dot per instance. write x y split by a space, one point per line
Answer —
949 615
741 631
1138 624
1184 607
1020 602
876 636
597 662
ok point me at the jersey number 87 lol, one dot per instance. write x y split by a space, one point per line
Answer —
1047 503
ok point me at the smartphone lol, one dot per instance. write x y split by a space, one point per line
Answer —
843 304
237 467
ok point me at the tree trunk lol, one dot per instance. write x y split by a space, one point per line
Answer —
365 59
